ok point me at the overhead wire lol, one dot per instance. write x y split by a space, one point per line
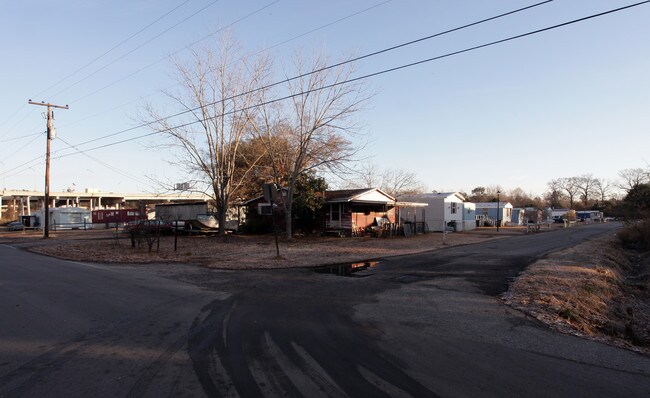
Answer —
427 60
175 52
20 137
317 71
107 165
112 48
210 35
90 63
154 63
367 76
22 147
137 48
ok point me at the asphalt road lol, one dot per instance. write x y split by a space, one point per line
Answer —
427 325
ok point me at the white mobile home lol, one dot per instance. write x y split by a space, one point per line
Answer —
493 211
66 218
469 216
518 215
444 211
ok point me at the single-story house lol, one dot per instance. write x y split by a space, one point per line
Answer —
445 211
348 211
492 213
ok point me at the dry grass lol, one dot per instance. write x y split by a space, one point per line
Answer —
244 252
585 291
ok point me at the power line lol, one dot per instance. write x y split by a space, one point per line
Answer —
21 167
146 67
37 136
108 166
112 48
90 63
210 35
427 60
136 48
325 25
20 137
175 52
320 70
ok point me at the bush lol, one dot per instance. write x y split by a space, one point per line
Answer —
636 234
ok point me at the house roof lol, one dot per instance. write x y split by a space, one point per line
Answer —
492 205
363 195
431 195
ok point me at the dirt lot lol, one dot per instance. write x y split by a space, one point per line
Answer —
594 290
238 251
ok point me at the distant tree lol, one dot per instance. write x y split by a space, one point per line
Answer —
478 194
586 186
554 194
394 182
630 178
602 188
638 198
519 198
571 188
494 192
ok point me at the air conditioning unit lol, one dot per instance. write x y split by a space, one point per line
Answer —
182 186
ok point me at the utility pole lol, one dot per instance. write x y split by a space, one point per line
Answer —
51 133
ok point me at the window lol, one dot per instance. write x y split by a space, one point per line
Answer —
335 212
264 209
454 207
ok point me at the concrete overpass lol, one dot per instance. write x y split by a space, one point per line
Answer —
24 202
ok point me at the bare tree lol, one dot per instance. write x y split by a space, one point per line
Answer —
393 182
399 182
586 185
630 178
218 88
571 188
554 194
520 198
317 125
603 188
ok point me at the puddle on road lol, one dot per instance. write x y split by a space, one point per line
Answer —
346 269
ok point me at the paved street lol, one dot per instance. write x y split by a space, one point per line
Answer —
426 325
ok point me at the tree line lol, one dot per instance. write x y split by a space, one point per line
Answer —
583 192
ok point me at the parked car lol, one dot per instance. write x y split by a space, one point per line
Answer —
15 226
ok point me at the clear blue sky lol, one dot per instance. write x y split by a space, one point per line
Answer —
561 103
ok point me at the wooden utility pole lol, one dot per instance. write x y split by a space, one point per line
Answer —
51 133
